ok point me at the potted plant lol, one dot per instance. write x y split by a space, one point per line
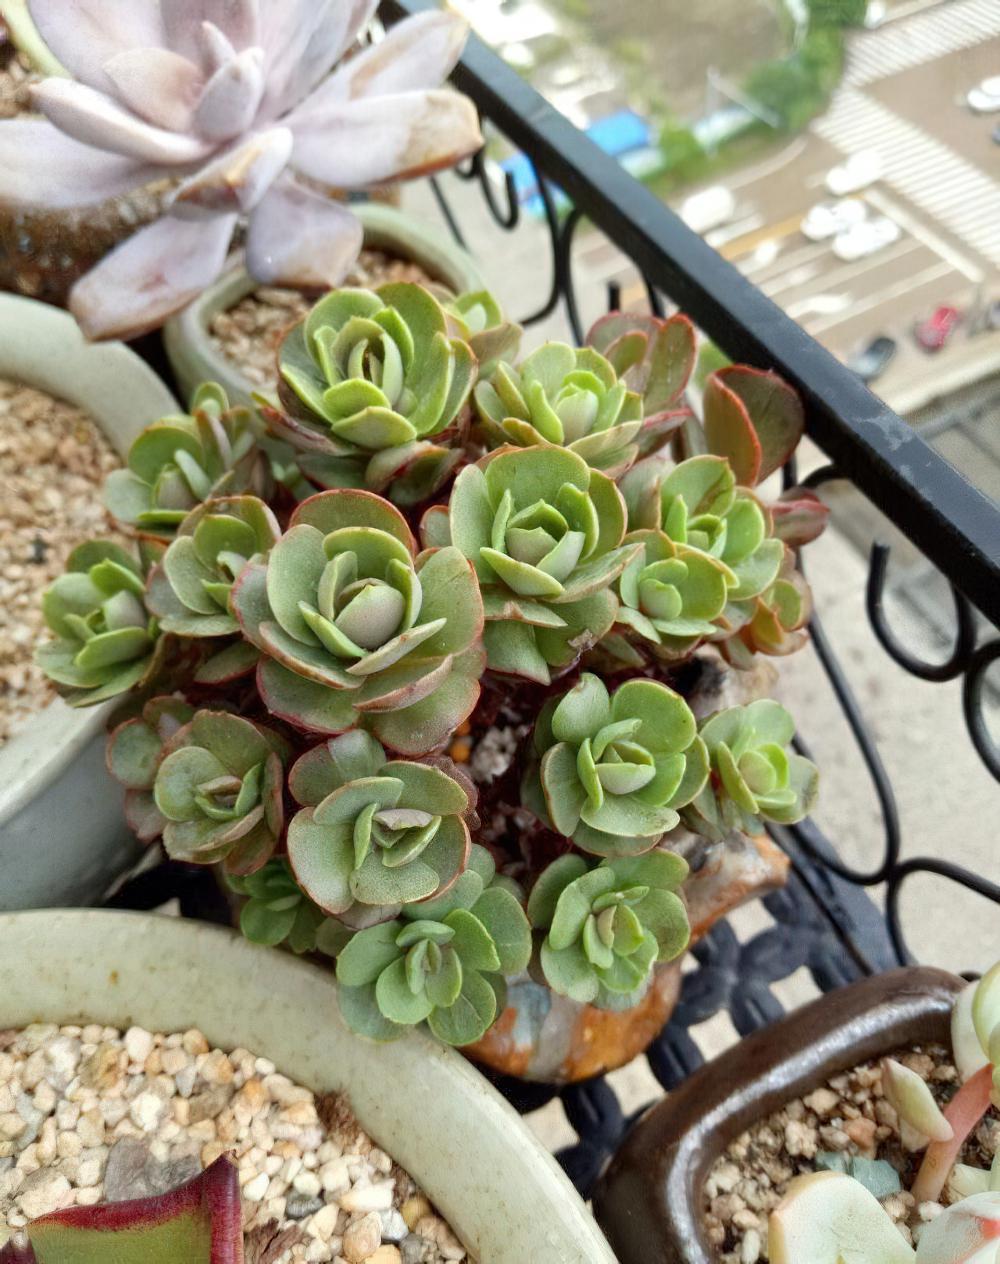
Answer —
497 1188
255 120
57 757
444 764
851 1122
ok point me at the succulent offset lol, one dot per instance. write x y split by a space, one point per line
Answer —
357 629
606 926
613 771
237 106
373 387
276 910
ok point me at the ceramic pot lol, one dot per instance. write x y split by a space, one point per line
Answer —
499 1189
52 771
649 1201
545 1037
195 357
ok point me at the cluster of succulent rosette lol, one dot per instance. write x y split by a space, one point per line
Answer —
329 592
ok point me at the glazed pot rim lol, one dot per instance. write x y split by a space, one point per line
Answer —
43 347
425 1104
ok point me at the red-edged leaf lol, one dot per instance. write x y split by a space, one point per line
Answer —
199 1223
775 411
672 358
668 350
730 432
799 516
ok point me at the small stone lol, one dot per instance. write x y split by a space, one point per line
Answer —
362 1238
90 1128
146 1110
414 1210
750 1247
194 1042
823 1101
368 1197
394 1227
334 1176
210 1104
299 1205
324 1222
862 1132
800 1139
216 1068
43 1191
308 1183
255 1189
138 1045
412 1248
385 1254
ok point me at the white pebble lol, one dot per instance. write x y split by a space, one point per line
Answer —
255 1189
146 1110
368 1197
138 1045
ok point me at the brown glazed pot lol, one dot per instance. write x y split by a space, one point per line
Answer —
649 1200
546 1037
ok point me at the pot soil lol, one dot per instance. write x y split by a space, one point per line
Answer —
248 333
89 1114
53 461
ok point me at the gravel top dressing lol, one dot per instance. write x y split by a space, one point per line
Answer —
88 1114
53 461
848 1115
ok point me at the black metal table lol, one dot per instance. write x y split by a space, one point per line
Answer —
824 920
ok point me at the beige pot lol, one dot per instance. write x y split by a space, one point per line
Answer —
499 1189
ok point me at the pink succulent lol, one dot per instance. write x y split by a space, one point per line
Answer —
235 99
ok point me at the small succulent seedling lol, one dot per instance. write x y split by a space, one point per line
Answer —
135 750
442 961
613 771
375 833
276 910
754 778
358 629
544 533
107 641
373 387
178 462
481 323
197 1223
605 926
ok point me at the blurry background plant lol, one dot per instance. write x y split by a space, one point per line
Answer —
236 104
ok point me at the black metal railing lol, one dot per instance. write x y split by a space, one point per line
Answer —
824 919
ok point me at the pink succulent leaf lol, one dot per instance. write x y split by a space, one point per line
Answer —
86 34
232 97
61 171
304 39
774 409
18 1251
95 119
298 238
237 179
963 1112
182 20
799 516
151 275
214 47
160 86
368 141
965 1233
419 52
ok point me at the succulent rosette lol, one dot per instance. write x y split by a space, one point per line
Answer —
670 597
698 504
442 961
219 789
189 588
373 387
376 833
135 748
481 323
606 926
613 770
276 910
178 462
107 641
544 533
357 629
774 622
567 396
754 778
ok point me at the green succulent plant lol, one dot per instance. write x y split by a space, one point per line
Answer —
178 462
219 788
442 961
613 770
375 833
772 623
107 641
189 589
135 748
567 396
753 777
544 533
357 629
373 386
276 910
670 597
698 503
606 926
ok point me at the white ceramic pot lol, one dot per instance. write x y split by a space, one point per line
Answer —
502 1193
63 838
195 357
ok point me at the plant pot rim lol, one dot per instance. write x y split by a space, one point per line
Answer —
43 347
492 1180
649 1200
193 352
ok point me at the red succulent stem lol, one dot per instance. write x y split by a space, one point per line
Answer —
963 1112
